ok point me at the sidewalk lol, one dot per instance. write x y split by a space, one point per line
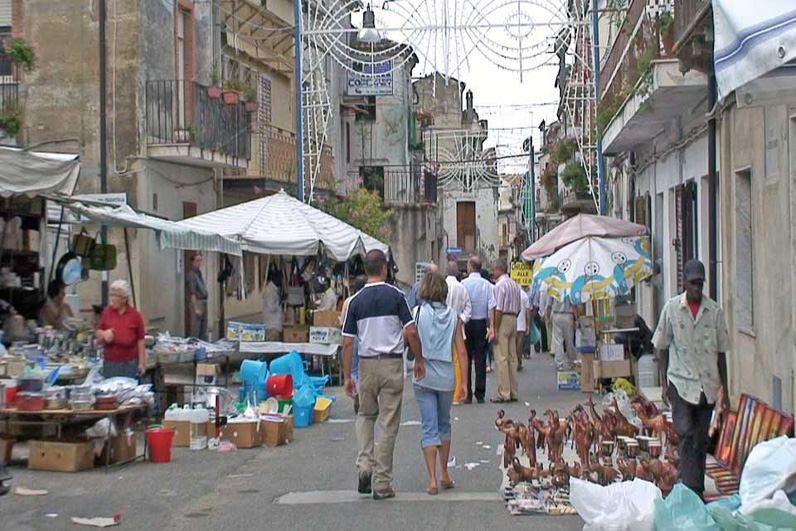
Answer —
308 484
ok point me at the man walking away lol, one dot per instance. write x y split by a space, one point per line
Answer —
459 301
358 284
696 372
523 327
504 322
379 321
476 331
564 316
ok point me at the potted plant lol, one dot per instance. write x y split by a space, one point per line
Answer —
574 177
666 24
232 91
11 122
214 90
21 54
251 98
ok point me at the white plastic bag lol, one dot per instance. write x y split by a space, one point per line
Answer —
627 506
770 467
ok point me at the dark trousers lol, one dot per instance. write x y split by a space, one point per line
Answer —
542 331
691 423
475 330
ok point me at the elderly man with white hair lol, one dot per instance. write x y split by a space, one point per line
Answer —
121 331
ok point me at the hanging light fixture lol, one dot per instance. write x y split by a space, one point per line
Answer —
369 33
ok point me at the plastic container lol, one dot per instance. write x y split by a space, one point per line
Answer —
323 406
11 392
291 364
254 372
647 371
159 442
199 420
302 416
280 386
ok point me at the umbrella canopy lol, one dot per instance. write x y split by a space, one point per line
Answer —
282 225
594 268
579 227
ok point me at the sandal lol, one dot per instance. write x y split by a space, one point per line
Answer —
447 485
432 491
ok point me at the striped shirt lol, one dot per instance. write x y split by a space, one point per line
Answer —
507 295
482 297
376 316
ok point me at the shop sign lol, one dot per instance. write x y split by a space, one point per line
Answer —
522 273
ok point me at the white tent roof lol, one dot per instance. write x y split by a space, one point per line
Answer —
30 173
170 235
282 225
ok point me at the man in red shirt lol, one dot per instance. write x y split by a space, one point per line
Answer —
121 330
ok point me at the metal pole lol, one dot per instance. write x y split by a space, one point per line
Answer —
299 112
712 191
595 25
103 132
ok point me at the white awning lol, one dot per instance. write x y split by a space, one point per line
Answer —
284 226
170 234
32 173
751 39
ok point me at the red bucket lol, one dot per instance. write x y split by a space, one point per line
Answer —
280 386
159 442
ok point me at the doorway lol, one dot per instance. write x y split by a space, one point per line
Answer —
465 225
188 210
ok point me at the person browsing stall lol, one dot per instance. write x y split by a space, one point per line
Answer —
56 311
121 330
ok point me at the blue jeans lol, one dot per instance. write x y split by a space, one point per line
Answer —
435 415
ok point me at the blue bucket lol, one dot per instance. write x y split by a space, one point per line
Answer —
302 416
291 364
254 372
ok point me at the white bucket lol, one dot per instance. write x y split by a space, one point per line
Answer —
647 371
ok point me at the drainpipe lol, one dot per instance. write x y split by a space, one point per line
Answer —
103 132
712 190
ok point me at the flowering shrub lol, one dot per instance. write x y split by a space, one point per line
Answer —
364 210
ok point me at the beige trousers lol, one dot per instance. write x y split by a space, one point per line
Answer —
564 339
381 387
506 357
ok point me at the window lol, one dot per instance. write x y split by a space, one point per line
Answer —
370 110
744 263
373 179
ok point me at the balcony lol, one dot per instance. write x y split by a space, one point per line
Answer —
412 187
10 76
692 23
578 203
641 86
276 151
184 125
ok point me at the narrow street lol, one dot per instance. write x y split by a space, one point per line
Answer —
309 484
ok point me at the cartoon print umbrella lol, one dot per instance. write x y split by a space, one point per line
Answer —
594 268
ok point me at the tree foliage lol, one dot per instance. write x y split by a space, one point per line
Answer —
364 210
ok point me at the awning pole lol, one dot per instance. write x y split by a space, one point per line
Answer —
129 265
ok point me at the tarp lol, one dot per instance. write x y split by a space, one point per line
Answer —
282 225
170 234
751 39
29 173
579 227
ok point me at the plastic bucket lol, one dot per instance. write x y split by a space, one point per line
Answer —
292 364
253 372
280 386
159 442
302 416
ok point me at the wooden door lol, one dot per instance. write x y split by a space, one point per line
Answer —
465 225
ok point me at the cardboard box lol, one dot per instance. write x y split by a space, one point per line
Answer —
122 448
587 373
242 434
61 456
568 381
207 373
30 240
182 432
612 369
326 335
329 318
276 432
252 333
296 334
610 352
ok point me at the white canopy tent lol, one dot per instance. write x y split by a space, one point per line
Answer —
33 173
281 225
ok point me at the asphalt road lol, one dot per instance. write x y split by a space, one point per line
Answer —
308 484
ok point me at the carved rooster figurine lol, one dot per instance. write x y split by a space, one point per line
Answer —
627 467
502 423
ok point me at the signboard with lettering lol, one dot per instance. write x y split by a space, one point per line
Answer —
522 273
374 79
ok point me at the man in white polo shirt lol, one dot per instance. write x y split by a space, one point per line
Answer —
379 320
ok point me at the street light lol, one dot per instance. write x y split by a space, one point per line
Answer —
369 33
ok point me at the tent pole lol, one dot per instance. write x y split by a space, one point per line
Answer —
129 265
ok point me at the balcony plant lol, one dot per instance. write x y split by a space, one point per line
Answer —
21 54
666 25
575 178
425 118
233 88
11 122
250 93
214 90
